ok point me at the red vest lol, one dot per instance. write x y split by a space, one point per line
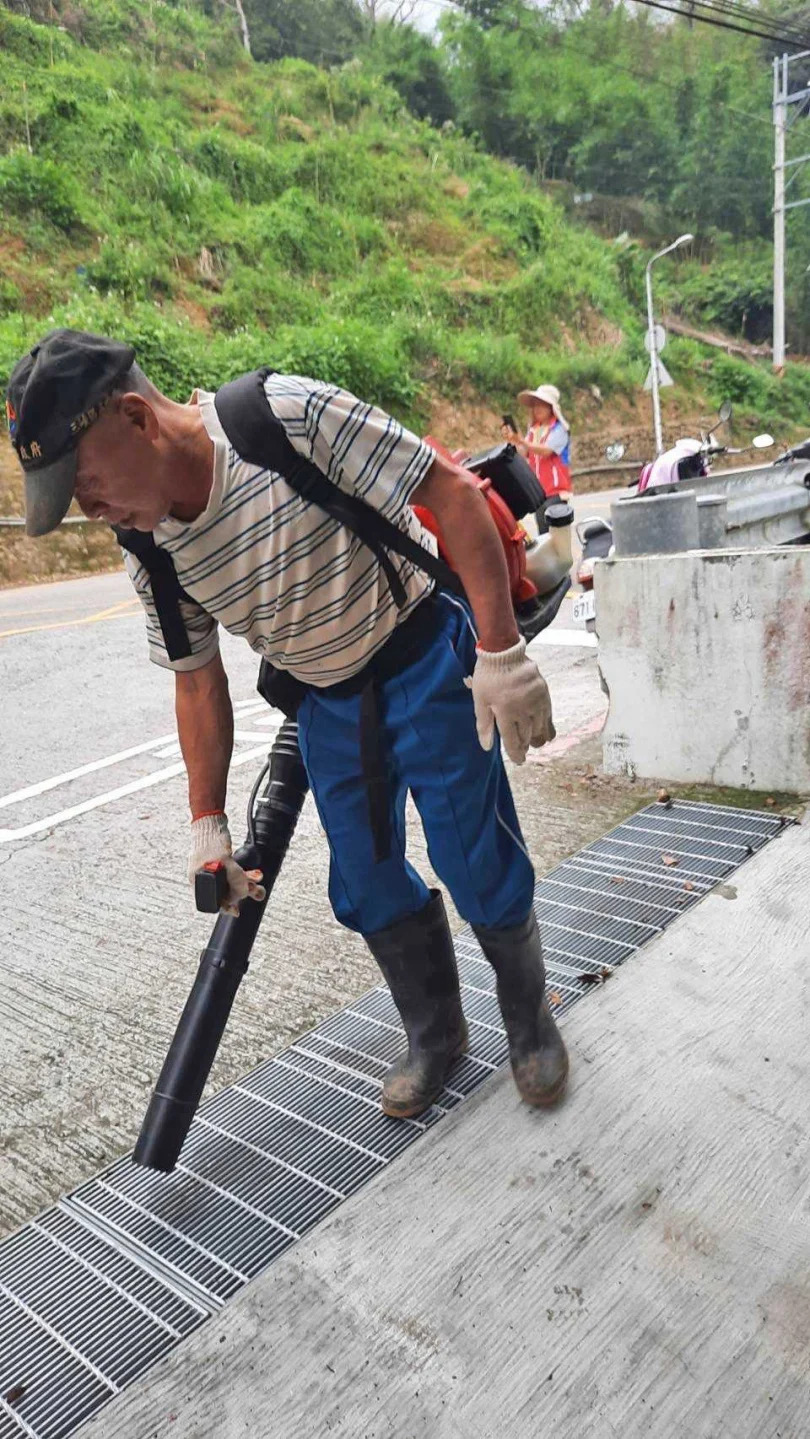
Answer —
552 472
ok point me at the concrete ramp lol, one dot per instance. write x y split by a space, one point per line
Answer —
635 1263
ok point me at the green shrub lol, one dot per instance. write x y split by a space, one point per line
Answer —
21 38
10 297
263 298
30 185
125 269
248 170
298 234
160 178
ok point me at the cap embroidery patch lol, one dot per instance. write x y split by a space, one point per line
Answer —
87 417
11 417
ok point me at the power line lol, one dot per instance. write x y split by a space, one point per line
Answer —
782 31
720 16
745 12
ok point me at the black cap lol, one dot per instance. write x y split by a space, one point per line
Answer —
55 393
558 515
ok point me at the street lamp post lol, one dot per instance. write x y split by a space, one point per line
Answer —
651 343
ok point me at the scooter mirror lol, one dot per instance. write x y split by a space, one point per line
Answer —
725 412
763 442
615 452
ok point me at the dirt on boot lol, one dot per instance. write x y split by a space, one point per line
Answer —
411 1085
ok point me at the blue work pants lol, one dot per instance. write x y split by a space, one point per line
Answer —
461 792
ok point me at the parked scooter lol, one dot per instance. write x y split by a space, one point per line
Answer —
794 452
688 459
595 536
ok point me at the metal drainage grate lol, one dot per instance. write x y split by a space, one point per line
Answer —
108 1281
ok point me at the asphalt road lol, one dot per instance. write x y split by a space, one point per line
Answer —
99 934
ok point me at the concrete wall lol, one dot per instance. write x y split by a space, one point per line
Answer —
706 657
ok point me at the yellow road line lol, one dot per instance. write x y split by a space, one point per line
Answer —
113 613
44 610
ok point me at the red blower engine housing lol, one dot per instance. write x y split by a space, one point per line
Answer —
511 534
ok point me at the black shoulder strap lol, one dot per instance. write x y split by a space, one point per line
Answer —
259 437
167 591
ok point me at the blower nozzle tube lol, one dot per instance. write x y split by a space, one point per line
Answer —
223 963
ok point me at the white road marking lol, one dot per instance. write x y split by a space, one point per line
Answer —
163 747
157 745
32 790
134 787
583 639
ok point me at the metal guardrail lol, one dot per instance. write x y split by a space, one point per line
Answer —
756 507
606 469
759 508
766 505
771 502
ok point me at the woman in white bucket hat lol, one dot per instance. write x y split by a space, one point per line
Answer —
547 442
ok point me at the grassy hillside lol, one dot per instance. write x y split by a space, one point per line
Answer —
157 184
224 213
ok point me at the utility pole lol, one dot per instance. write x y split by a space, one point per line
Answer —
780 84
654 375
652 342
782 98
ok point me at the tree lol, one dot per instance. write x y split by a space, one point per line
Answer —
410 62
326 32
243 24
391 12
486 13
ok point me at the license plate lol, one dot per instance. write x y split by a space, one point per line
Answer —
584 607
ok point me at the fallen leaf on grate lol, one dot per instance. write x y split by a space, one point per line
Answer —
599 978
616 879
669 859
554 997
688 884
16 1394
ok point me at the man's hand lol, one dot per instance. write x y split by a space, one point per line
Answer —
211 840
509 691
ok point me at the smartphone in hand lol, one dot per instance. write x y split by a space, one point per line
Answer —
509 422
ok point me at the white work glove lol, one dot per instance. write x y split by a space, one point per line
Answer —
509 691
211 840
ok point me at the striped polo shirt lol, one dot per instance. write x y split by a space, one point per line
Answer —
304 592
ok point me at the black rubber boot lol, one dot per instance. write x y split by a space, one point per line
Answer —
418 962
536 1049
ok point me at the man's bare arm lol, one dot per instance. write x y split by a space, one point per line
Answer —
205 729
